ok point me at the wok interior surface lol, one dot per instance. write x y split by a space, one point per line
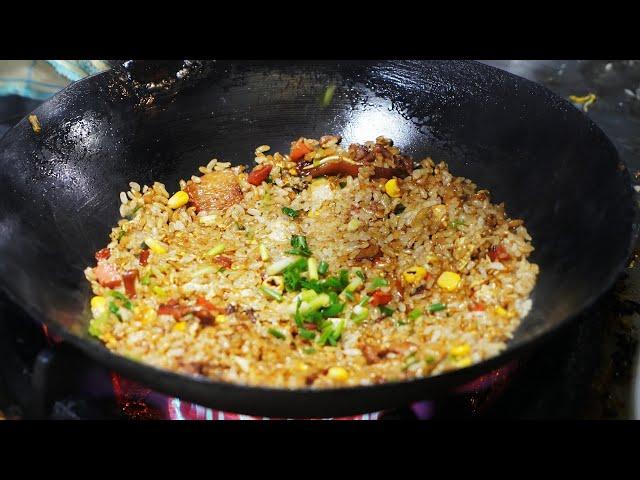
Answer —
534 151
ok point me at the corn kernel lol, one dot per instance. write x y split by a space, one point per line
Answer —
220 319
178 200
462 362
392 188
302 367
159 291
155 246
449 281
98 306
216 250
149 315
414 274
180 327
501 311
338 374
293 171
461 350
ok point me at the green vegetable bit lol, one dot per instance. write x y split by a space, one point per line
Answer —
399 209
328 95
309 350
290 212
121 234
146 280
415 313
300 246
113 308
276 333
126 303
378 282
386 311
343 184
457 223
323 268
360 275
437 307
306 334
270 292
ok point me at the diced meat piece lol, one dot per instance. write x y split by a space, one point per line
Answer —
259 174
298 150
380 298
498 252
223 261
370 252
216 191
129 278
103 254
144 257
337 167
107 275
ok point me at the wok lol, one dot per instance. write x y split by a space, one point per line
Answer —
546 160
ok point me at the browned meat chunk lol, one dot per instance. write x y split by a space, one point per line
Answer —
216 191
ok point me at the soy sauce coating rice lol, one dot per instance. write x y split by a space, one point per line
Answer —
400 270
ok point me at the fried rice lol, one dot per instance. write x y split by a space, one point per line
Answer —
324 267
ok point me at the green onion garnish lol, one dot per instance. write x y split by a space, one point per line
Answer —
270 292
328 95
307 334
436 307
386 311
343 184
121 234
290 212
309 350
359 314
360 274
300 246
457 223
415 313
217 250
276 333
146 280
113 308
348 295
323 267
399 209
364 300
378 282
313 269
126 303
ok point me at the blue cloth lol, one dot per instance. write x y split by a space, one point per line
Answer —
40 79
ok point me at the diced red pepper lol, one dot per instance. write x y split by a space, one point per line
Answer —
144 257
172 308
259 174
299 150
103 254
129 278
498 252
477 307
223 261
203 302
380 298
107 275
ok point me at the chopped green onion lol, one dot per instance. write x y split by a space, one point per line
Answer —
280 265
309 350
348 295
269 180
359 314
290 212
360 275
386 311
217 250
354 285
133 213
430 359
313 269
317 303
308 295
306 334
378 282
415 313
292 274
126 303
436 307
343 184
276 333
113 308
364 300
328 95
323 267
121 234
264 253
146 280
300 246
457 223
270 292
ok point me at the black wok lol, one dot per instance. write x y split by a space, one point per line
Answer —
536 152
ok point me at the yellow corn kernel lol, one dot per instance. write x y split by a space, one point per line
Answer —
338 374
293 172
449 281
501 311
220 319
462 362
302 367
155 246
159 291
461 350
264 253
392 188
431 259
180 327
98 306
149 315
414 274
178 200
